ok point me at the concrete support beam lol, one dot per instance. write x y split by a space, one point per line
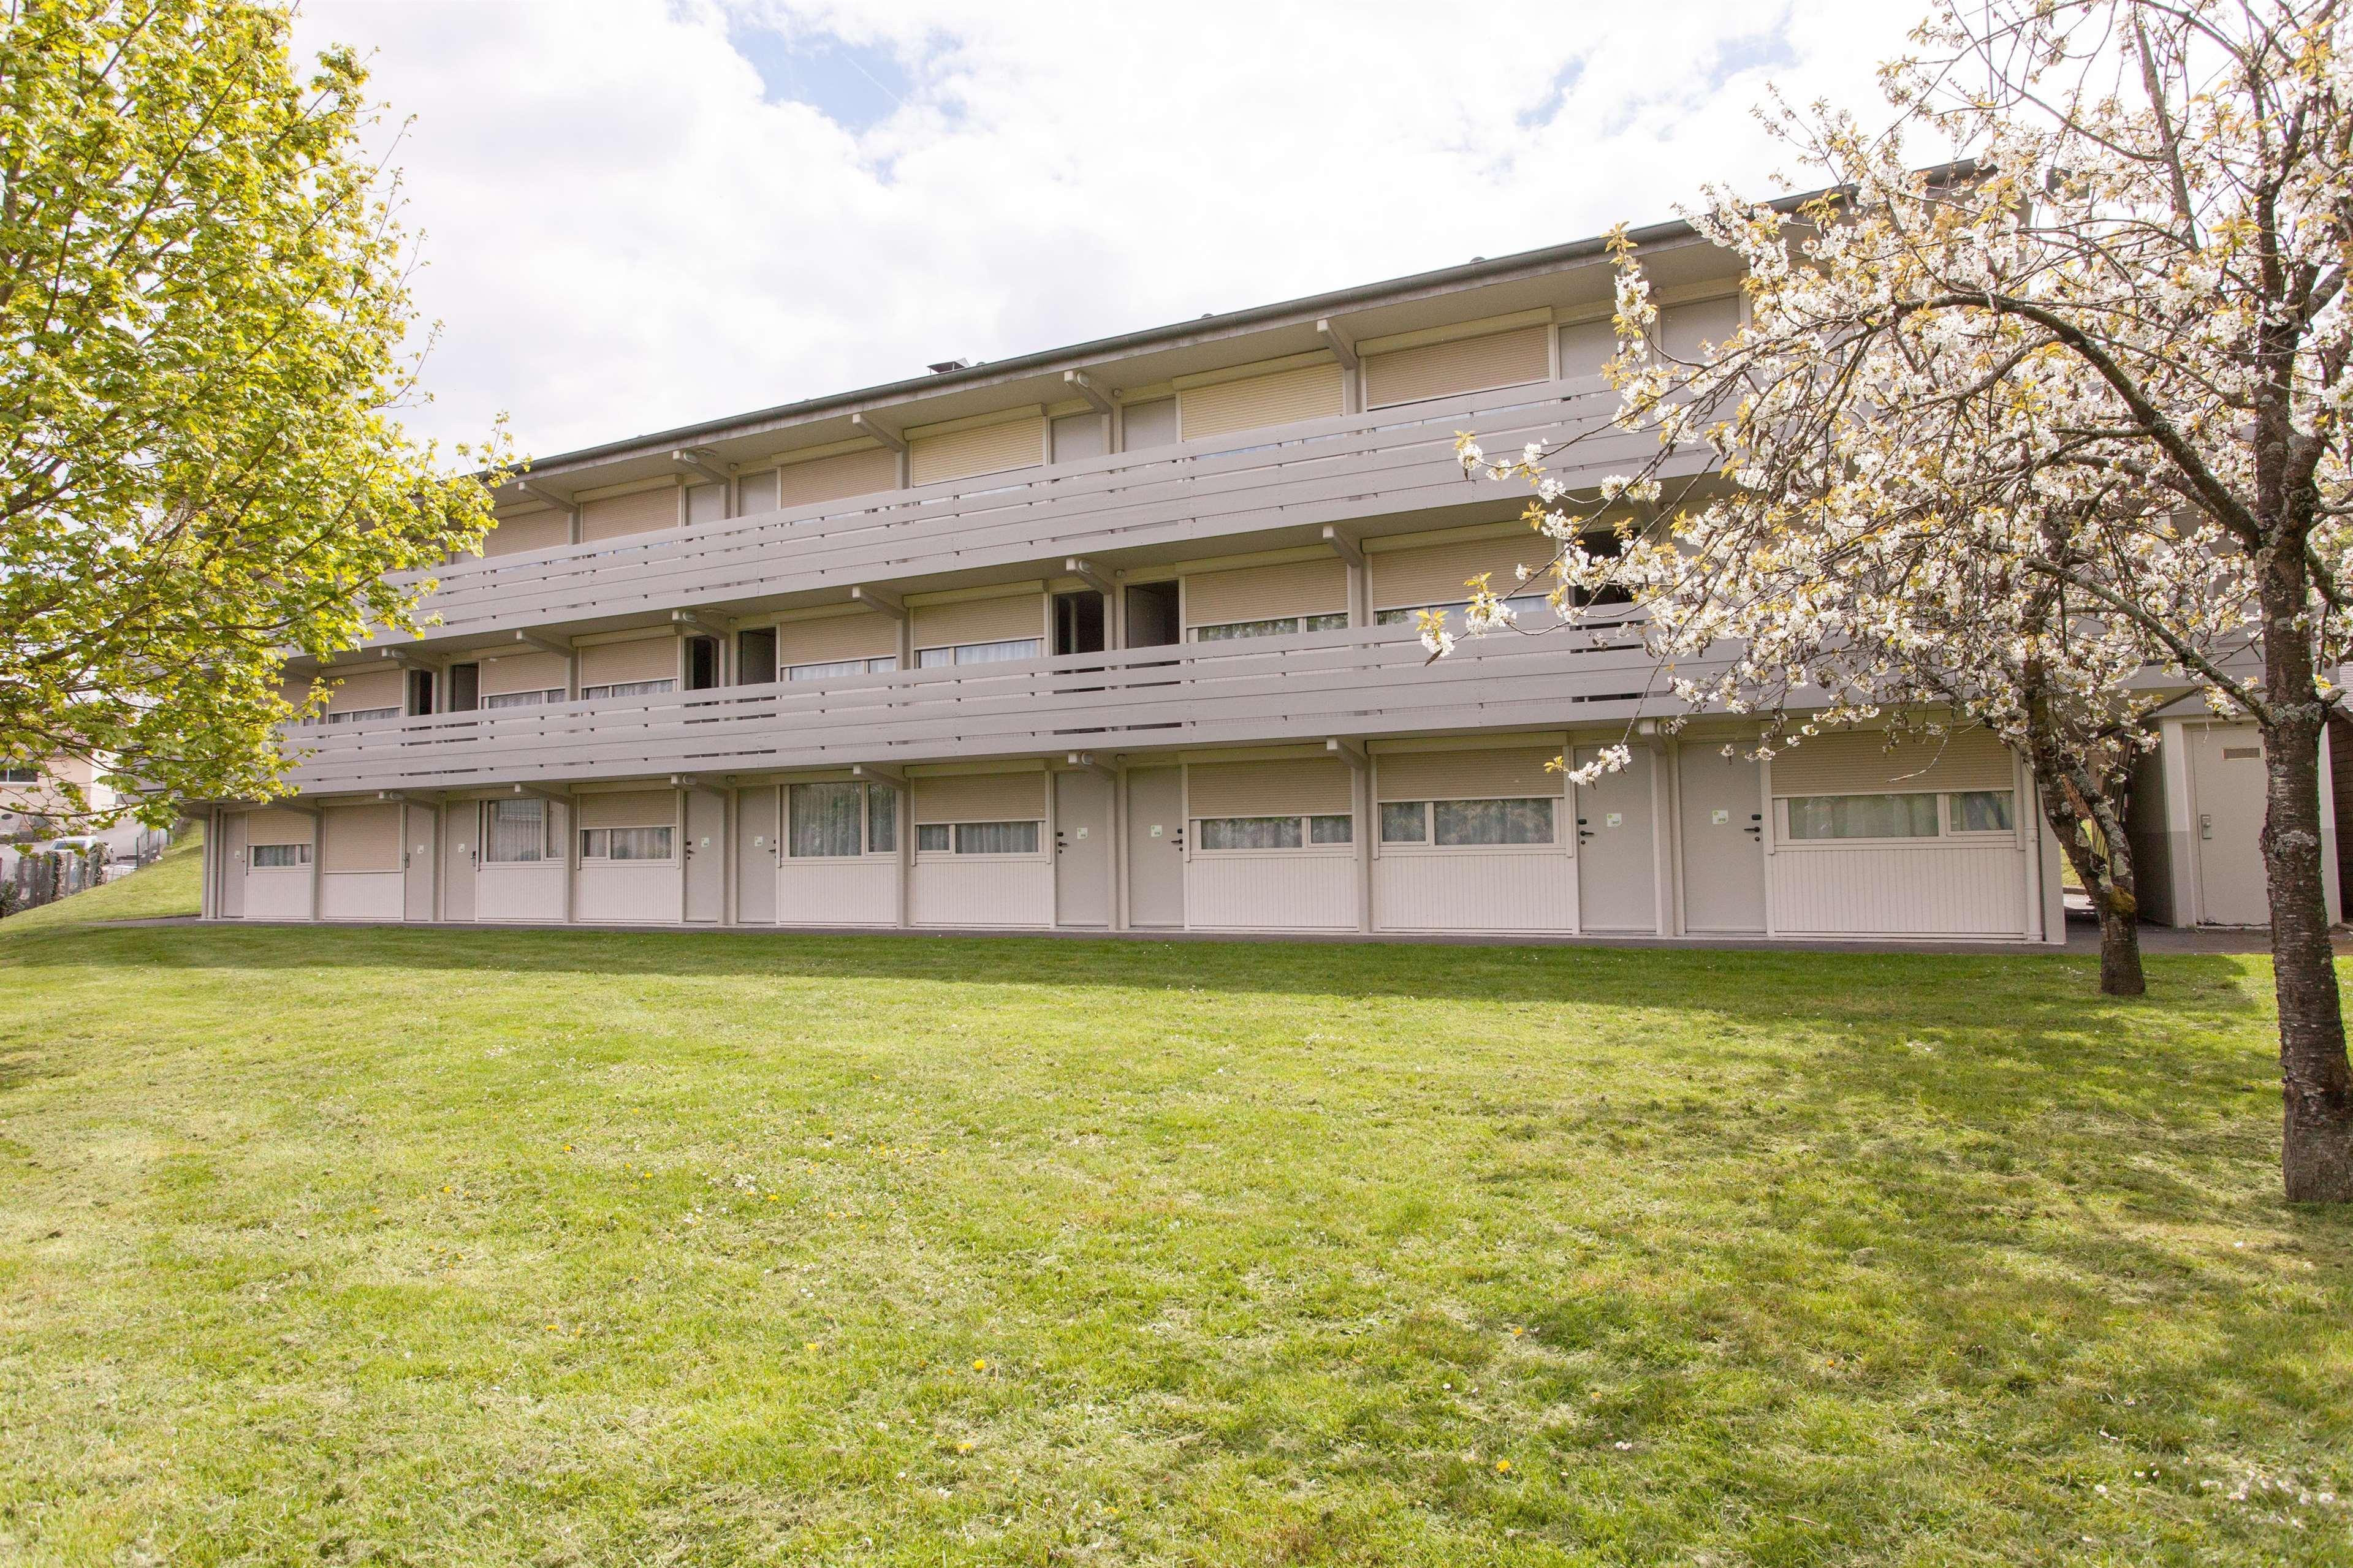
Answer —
867 425
1087 572
700 461
1080 381
881 599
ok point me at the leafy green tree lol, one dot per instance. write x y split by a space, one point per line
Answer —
204 354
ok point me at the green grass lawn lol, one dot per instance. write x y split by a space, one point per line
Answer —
551 1247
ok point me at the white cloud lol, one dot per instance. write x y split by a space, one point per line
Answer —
627 227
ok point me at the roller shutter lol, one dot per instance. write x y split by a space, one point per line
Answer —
987 449
1261 593
360 839
1465 364
267 826
1435 573
620 663
525 672
628 808
832 638
1503 772
831 478
642 512
1288 786
1000 619
370 689
981 797
530 531
1311 391
1859 763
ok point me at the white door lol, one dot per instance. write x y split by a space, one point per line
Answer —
1082 849
1723 841
232 865
706 855
755 857
418 859
2226 786
1156 848
1616 869
461 856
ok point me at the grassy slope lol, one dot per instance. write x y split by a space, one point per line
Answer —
172 885
543 1247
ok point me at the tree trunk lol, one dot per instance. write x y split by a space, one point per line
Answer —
2119 910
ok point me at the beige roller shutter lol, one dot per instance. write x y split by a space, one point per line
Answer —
1503 772
370 689
755 494
1262 593
1288 786
619 663
531 531
1000 619
1683 328
1311 391
1859 763
294 692
1585 347
266 827
524 672
981 797
1466 364
360 839
628 808
831 478
616 516
987 449
1436 573
832 639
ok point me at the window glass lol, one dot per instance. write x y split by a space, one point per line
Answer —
521 699
1248 833
825 671
888 661
363 715
518 831
18 773
932 835
1465 822
1229 630
1338 623
1331 831
1528 609
277 857
998 652
640 843
1862 816
594 842
882 819
1980 811
824 820
630 688
1405 821
997 838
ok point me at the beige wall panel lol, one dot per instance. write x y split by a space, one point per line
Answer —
1311 391
524 672
1435 573
981 797
369 688
1143 426
1000 619
642 658
948 892
1465 889
1466 364
1861 763
1291 890
360 839
267 826
529 531
1585 347
1683 328
1513 773
630 808
616 516
831 478
1930 889
1261 593
1282 787
989 450
832 638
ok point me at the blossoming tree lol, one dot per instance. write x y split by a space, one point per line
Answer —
2025 438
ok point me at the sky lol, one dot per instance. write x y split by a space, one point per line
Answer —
636 214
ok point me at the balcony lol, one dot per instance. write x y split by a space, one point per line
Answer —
1275 485
1360 682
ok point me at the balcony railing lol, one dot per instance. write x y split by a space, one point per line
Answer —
1362 682
1391 462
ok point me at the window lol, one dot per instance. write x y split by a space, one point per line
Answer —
1212 833
1280 627
628 688
1527 608
625 843
357 716
281 856
1468 824
1862 816
979 653
823 820
997 838
1979 811
842 667
17 772
517 832
933 838
524 699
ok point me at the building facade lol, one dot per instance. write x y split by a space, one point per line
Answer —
1117 637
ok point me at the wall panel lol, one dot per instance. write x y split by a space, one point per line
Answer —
1287 891
361 896
983 893
838 892
1467 890
622 893
1936 890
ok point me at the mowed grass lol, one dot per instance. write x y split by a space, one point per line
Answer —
542 1248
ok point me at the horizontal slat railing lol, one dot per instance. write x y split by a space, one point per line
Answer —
1329 470
1362 682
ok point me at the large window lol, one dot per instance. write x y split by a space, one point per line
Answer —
824 821
523 699
1527 609
630 688
980 652
1910 814
1279 626
1215 832
281 856
1980 811
1469 824
627 843
516 833
19 774
842 667
977 837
